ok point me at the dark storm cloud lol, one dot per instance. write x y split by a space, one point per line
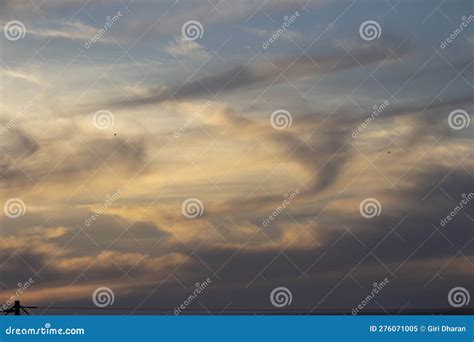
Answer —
71 161
240 271
324 156
260 73
327 150
80 233
16 143
62 246
434 111
416 202
371 242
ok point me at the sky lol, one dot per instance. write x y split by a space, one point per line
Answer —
216 155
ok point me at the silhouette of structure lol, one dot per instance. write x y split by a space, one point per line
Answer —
17 308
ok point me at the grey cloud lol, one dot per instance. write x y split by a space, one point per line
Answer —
71 161
238 278
260 73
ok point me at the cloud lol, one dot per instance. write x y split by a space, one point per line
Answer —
27 76
187 48
20 169
261 73
232 159
289 34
